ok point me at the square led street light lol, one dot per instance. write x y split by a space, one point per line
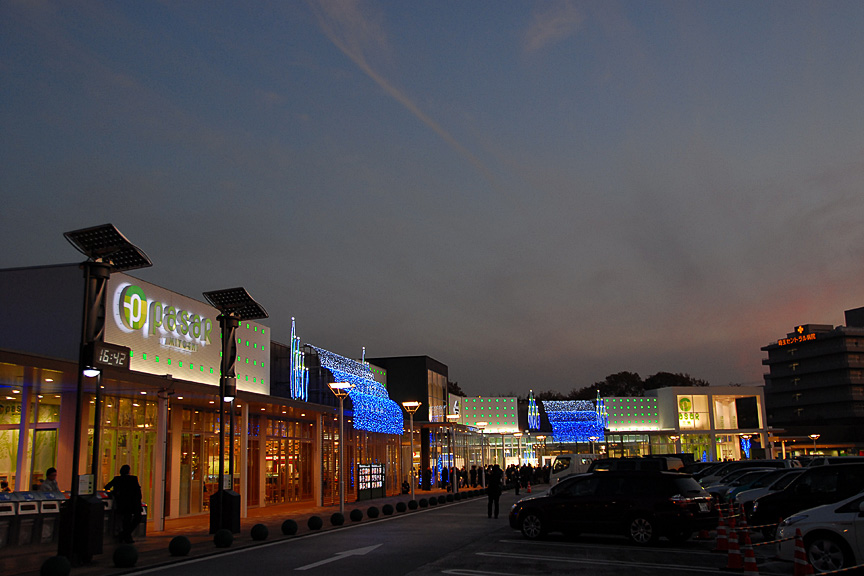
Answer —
236 302
107 244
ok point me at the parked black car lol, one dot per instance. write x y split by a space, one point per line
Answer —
655 463
641 505
815 486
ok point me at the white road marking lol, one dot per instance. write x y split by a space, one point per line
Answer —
340 556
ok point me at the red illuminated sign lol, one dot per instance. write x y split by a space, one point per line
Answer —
796 339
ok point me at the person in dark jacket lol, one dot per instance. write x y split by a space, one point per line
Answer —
126 492
494 482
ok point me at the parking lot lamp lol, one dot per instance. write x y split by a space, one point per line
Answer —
482 427
234 305
341 389
107 251
453 481
814 437
541 448
518 436
411 407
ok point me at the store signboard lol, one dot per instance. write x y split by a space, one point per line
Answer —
168 333
693 412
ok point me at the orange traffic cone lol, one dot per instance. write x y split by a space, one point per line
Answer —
734 561
750 566
802 566
529 487
722 544
743 517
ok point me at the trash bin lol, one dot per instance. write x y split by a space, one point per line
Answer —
28 517
8 518
87 525
141 530
110 525
49 508
225 511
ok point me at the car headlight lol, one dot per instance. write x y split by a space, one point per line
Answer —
793 519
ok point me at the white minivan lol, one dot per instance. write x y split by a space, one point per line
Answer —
566 464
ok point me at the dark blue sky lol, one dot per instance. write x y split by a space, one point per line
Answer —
535 194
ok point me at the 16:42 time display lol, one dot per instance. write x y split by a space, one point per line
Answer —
111 355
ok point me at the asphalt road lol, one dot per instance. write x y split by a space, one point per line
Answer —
459 539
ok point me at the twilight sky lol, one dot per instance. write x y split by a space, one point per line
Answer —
535 194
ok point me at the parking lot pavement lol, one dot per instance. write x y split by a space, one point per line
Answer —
153 548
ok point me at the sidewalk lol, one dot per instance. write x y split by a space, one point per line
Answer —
153 549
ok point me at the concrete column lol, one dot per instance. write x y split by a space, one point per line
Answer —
176 416
318 456
25 442
244 460
262 462
157 510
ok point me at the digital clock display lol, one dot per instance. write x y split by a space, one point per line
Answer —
106 354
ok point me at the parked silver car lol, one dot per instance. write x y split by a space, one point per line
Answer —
833 535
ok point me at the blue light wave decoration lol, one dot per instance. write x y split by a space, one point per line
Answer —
299 372
533 412
374 411
574 420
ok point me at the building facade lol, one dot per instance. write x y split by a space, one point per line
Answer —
160 413
815 385
711 423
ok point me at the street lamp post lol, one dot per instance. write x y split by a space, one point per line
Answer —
454 478
341 389
234 305
541 448
411 407
518 435
593 439
814 437
482 426
107 251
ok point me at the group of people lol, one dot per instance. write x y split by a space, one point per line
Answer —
125 491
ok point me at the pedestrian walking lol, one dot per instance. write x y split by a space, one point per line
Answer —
494 484
126 492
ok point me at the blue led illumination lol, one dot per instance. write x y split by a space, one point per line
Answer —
574 420
601 411
299 373
374 411
745 446
533 412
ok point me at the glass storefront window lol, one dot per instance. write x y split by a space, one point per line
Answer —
693 412
725 415
9 457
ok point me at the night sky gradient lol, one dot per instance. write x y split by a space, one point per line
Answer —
537 194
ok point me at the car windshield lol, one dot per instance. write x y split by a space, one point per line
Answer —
749 477
732 476
688 487
769 478
787 479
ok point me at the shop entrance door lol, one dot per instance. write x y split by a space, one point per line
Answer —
199 471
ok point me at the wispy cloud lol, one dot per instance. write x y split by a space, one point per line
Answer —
359 33
555 22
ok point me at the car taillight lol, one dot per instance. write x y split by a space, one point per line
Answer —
685 501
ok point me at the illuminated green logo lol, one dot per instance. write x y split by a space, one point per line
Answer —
133 307
685 405
181 328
